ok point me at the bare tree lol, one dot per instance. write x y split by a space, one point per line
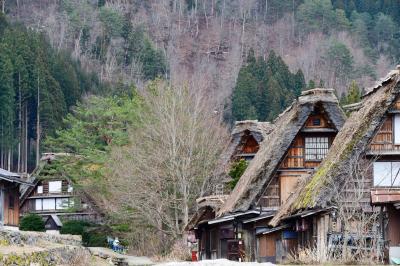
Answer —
171 152
356 221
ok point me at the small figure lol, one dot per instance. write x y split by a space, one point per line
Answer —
116 246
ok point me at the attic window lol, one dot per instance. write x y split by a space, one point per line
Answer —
316 148
55 186
316 122
40 189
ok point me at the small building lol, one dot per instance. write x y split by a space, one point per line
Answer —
354 196
54 197
9 197
53 223
299 141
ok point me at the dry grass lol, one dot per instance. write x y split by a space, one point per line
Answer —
179 252
310 256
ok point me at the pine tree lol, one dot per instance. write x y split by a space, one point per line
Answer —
353 94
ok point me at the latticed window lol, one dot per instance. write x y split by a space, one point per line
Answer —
316 148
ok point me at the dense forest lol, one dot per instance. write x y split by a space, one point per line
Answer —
38 86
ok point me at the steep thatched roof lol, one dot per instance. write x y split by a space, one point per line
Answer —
258 130
352 140
274 147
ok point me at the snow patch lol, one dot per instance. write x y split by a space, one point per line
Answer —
220 262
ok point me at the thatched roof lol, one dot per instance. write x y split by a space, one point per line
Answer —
274 147
351 141
258 130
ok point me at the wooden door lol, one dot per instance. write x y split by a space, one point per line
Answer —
288 183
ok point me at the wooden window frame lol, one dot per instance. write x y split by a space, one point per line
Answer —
317 151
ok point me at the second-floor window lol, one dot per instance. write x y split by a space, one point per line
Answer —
316 148
396 129
55 186
386 174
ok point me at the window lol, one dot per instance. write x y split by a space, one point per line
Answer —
70 188
49 204
40 189
55 186
386 174
62 203
316 122
316 148
396 129
38 205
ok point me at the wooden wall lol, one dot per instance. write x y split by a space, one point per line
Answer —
383 140
250 145
10 204
271 197
393 227
288 183
267 244
45 184
295 154
324 122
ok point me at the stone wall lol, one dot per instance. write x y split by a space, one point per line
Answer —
32 238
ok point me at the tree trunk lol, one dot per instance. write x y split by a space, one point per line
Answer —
26 140
19 123
9 160
38 125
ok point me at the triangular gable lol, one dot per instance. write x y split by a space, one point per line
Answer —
240 133
273 149
353 139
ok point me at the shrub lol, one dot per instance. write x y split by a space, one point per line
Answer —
94 238
237 171
32 222
74 227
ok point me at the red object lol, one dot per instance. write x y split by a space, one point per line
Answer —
194 255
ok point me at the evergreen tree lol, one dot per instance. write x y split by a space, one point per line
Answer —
264 88
353 94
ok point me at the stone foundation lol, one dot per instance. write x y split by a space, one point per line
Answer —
32 238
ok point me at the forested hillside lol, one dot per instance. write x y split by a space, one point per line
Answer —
37 88
204 42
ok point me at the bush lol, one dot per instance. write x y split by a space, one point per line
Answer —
32 222
74 227
94 238
237 171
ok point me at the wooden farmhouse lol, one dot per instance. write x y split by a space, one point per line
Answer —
300 139
54 197
244 144
354 196
9 197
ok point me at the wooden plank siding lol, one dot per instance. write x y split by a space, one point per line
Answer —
295 165
250 145
324 122
295 154
10 203
383 140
